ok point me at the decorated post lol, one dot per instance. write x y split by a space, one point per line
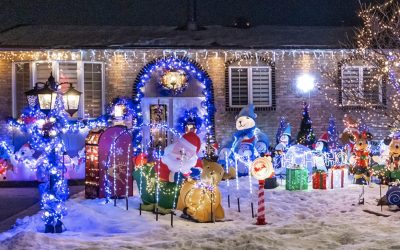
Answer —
262 169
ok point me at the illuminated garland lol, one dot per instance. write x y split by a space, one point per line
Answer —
190 67
189 117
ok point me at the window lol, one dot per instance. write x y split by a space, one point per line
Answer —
86 77
250 85
361 85
93 79
23 77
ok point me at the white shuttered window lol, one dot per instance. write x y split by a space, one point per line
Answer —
360 85
250 85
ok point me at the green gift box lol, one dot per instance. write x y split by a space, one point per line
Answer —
296 179
395 175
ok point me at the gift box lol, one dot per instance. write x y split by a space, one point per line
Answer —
319 179
271 183
395 175
296 179
337 177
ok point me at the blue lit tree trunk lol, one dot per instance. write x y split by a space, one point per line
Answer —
54 192
306 135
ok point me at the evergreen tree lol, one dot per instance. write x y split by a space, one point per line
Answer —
333 141
306 134
282 125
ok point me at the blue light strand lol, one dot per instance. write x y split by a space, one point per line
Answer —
191 68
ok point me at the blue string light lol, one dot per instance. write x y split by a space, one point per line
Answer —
192 69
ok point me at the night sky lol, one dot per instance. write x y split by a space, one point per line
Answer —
173 12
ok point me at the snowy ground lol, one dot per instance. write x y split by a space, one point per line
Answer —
314 219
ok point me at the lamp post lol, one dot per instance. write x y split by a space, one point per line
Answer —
55 190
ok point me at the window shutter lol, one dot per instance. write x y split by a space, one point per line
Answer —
372 86
43 71
68 72
92 89
261 87
351 87
239 86
23 84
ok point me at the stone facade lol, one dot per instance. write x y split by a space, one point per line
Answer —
122 67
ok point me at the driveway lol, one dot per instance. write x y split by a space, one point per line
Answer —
18 202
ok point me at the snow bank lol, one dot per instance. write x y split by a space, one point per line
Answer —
314 219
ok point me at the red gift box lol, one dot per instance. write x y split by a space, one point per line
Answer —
319 180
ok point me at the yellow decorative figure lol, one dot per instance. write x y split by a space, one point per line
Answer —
201 200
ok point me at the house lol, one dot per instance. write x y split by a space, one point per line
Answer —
224 67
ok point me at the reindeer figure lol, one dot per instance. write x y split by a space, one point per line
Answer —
360 159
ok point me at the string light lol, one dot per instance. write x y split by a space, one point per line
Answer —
379 60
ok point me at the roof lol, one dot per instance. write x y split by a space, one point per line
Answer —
258 37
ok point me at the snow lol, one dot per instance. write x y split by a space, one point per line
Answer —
313 219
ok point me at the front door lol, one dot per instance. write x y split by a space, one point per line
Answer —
161 115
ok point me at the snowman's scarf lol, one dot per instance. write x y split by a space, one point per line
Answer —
240 134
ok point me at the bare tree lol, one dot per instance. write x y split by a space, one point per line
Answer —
376 47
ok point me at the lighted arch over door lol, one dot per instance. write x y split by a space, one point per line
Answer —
144 89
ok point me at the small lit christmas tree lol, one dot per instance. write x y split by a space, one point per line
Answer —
362 126
306 134
282 125
333 141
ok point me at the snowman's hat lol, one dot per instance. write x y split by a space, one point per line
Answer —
288 131
247 111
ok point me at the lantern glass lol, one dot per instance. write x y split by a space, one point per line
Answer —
119 111
71 100
47 99
31 97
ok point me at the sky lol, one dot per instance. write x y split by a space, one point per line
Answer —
173 12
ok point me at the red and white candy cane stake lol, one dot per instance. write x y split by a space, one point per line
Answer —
261 169
261 204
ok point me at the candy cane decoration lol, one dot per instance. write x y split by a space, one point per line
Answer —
261 204
261 169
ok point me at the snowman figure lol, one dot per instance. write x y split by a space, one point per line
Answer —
321 149
280 150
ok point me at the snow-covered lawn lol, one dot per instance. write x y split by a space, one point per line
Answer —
314 219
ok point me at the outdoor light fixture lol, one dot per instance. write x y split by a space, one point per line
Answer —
32 96
71 99
119 111
305 83
174 80
47 98
47 94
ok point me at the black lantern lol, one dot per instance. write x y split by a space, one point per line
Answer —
71 100
47 94
47 98
32 96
